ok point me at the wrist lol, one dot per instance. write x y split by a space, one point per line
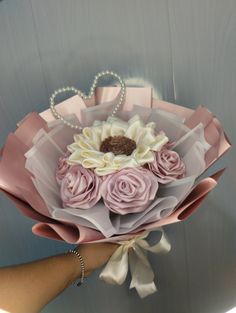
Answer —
86 259
73 265
78 265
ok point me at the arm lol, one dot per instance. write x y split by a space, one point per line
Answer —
29 287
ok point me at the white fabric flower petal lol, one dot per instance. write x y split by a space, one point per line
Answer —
118 128
108 157
133 130
159 142
73 147
148 138
143 155
122 161
84 144
102 171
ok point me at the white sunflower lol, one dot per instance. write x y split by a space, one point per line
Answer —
108 146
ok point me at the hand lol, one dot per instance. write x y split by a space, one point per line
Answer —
95 255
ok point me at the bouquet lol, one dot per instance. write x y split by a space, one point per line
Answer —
112 172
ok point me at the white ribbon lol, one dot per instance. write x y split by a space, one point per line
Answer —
133 253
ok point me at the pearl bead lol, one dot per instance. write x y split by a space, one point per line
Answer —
83 96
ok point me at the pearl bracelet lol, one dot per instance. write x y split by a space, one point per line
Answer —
82 265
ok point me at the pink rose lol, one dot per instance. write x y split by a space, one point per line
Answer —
167 166
62 168
130 190
80 188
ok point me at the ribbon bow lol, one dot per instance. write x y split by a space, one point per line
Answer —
133 253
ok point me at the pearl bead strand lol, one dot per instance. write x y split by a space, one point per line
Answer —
85 97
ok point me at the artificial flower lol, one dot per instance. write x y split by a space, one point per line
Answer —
62 168
80 188
114 144
130 190
167 166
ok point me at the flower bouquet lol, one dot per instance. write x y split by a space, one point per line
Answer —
112 172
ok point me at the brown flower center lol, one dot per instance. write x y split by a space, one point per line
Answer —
118 145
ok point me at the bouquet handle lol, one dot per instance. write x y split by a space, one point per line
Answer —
133 254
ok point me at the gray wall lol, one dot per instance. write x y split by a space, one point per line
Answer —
187 50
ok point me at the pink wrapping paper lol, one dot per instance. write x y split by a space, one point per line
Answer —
16 183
